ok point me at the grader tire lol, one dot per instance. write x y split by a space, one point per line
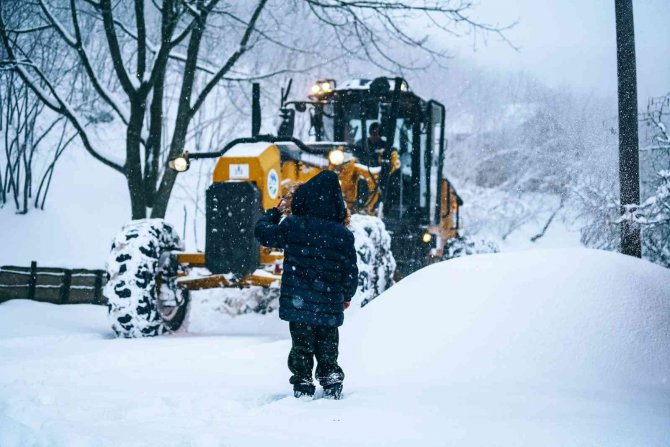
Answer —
142 298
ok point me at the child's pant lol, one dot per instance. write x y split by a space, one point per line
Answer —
314 341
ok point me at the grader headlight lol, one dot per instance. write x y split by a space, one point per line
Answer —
180 164
322 87
426 237
336 157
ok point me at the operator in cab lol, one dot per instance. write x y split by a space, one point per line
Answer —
375 144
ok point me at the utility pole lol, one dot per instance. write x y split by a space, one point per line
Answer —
255 109
629 165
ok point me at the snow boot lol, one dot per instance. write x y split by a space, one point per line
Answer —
303 390
333 391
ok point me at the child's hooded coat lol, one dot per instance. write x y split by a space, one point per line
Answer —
320 271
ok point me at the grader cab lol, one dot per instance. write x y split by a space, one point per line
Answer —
399 180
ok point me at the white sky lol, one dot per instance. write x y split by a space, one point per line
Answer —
573 43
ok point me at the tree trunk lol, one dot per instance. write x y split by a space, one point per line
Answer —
154 142
133 166
184 116
169 177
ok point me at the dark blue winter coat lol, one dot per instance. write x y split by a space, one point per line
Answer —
320 271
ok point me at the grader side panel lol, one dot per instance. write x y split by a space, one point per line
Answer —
252 162
232 211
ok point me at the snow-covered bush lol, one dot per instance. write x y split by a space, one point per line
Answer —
596 203
466 246
653 217
598 195
376 263
602 227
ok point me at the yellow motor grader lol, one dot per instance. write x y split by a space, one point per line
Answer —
400 181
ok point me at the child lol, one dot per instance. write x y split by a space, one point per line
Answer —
320 278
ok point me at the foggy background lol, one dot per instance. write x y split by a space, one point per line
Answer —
572 43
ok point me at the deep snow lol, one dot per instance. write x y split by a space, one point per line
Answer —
552 348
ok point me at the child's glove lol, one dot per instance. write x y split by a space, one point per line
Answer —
274 215
347 304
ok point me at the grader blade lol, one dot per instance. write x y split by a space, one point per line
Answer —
262 279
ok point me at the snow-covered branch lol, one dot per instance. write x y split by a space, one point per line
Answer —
104 93
129 84
242 48
51 98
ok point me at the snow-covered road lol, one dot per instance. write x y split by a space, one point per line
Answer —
472 352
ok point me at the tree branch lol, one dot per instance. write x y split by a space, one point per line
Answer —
30 30
549 221
106 95
117 59
141 39
168 25
232 59
58 26
153 48
60 105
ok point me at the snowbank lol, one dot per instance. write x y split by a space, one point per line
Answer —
561 317
551 348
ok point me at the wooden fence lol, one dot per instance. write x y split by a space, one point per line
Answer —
52 285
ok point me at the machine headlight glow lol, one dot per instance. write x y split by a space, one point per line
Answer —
336 157
179 164
426 237
322 87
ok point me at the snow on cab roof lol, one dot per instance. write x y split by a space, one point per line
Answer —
364 84
355 84
248 149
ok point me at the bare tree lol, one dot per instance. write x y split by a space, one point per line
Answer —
28 133
152 44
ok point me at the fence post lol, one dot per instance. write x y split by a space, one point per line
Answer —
32 281
65 286
97 291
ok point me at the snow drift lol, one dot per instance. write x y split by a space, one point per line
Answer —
567 317
551 348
